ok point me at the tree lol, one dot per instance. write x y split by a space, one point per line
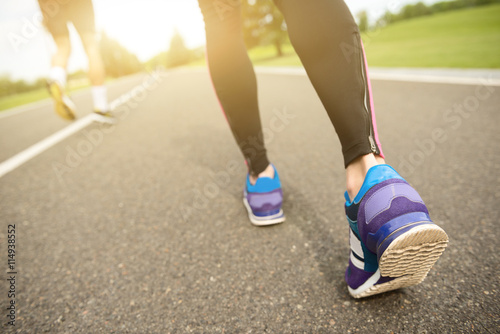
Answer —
11 87
263 24
363 21
178 54
416 10
118 61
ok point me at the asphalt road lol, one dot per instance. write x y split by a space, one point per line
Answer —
140 227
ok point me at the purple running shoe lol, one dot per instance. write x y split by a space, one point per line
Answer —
263 200
393 241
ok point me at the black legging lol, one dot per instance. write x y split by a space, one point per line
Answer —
326 38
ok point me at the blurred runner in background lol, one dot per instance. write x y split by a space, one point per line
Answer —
57 15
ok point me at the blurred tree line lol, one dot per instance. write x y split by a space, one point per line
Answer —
11 87
263 24
177 54
419 9
118 61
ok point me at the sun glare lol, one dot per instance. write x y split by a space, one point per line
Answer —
146 27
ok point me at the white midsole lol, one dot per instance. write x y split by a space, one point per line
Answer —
263 221
366 285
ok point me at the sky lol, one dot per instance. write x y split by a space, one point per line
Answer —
144 27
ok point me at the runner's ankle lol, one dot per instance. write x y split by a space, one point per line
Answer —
268 172
356 172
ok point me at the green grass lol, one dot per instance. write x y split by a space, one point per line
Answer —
264 55
468 38
12 101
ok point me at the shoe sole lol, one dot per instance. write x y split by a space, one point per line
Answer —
397 283
103 118
408 258
62 107
263 221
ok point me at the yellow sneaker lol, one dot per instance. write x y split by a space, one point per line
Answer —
63 105
104 116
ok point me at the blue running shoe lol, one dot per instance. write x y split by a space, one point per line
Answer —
263 200
393 241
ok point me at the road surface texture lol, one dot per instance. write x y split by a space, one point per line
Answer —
140 227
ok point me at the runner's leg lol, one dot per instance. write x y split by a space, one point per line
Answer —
393 241
234 78
81 13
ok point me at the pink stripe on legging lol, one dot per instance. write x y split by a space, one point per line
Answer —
372 107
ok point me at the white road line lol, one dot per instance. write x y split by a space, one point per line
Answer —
24 156
31 152
435 79
407 77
